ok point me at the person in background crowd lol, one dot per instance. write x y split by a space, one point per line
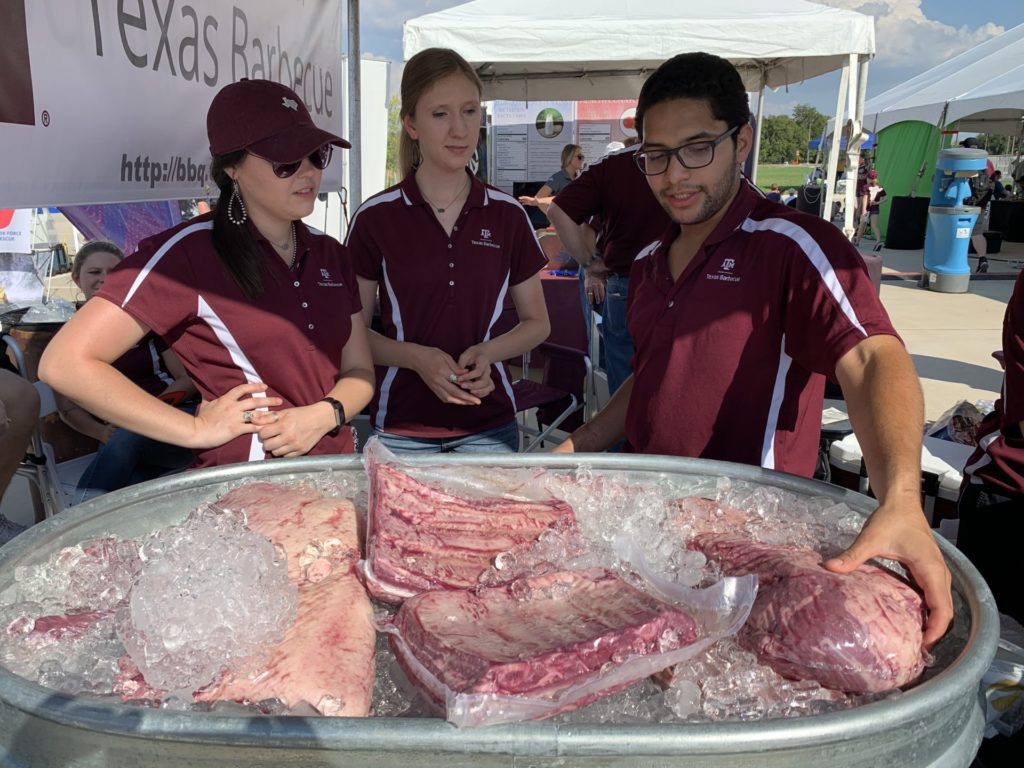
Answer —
572 164
613 189
442 249
124 457
991 500
739 312
19 411
263 312
863 169
875 194
773 193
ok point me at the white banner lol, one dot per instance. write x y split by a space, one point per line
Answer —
16 230
105 101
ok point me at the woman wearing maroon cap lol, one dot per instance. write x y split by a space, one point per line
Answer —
258 308
445 249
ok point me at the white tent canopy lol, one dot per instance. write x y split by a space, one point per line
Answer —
604 49
981 90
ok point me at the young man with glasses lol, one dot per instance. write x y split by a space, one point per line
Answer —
741 310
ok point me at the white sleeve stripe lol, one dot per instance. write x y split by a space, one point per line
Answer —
817 257
160 253
389 377
157 363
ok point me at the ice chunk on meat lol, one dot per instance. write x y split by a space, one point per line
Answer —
535 637
423 539
859 632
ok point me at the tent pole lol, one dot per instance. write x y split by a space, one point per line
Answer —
853 144
354 127
757 133
833 153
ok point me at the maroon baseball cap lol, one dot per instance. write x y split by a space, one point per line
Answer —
266 118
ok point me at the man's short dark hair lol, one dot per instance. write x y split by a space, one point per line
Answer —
697 76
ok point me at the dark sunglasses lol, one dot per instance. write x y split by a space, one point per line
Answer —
320 157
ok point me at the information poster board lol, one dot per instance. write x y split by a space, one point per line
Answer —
528 139
602 122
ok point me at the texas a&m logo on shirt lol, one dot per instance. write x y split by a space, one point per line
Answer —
485 240
327 282
725 272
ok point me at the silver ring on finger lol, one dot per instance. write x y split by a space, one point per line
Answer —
453 378
247 417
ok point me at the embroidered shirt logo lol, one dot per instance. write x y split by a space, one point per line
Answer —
725 272
290 103
485 240
326 281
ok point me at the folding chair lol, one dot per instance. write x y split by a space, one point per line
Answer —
52 485
559 397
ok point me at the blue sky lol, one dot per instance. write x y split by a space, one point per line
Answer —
911 36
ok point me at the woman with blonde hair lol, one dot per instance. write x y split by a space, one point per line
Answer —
442 251
572 165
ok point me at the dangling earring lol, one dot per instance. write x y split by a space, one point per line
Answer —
235 195
417 158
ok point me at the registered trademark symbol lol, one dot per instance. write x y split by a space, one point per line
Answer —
46 118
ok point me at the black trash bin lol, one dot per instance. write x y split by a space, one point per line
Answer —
908 220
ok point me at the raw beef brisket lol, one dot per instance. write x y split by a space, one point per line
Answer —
534 637
857 632
327 656
422 539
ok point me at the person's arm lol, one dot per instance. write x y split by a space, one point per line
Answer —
886 407
533 328
80 420
77 363
298 429
542 198
606 428
581 247
431 364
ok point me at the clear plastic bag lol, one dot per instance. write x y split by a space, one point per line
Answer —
717 611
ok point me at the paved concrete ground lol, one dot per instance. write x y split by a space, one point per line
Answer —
951 337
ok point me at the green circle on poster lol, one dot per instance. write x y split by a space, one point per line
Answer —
549 122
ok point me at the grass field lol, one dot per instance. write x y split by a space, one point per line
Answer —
783 175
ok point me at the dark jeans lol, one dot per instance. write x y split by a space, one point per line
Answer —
129 458
991 532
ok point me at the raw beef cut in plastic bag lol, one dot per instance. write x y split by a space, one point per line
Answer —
859 632
548 644
421 538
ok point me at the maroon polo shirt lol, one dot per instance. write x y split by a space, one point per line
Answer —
998 460
144 365
441 291
731 358
631 217
290 338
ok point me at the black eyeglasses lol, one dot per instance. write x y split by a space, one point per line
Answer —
320 157
699 154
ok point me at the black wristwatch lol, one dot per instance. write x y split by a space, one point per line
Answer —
339 414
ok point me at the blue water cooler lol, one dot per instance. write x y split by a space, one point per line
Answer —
950 222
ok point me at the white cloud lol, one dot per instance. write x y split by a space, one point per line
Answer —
390 14
905 37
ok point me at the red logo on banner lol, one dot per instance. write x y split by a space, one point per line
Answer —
6 215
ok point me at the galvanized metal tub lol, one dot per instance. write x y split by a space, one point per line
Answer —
937 723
